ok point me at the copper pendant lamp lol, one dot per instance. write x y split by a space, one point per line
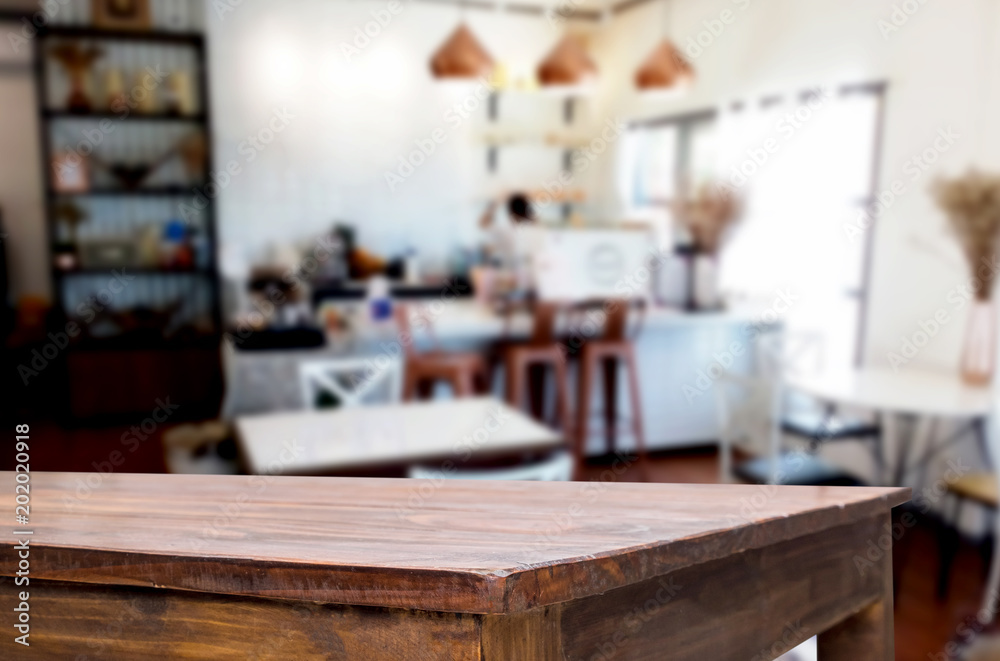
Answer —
461 56
568 64
666 69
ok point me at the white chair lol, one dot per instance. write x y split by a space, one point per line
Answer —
557 468
750 416
749 411
351 381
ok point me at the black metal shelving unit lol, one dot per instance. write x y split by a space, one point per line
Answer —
197 286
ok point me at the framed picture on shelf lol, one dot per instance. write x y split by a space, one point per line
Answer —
70 173
121 14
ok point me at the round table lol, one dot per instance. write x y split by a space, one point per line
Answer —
912 395
916 397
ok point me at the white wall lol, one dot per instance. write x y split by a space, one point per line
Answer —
940 67
353 119
21 174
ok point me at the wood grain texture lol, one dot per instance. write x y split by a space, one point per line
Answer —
533 634
472 547
752 606
91 623
867 633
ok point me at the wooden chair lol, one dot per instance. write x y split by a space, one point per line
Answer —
980 488
605 355
525 366
350 381
466 372
557 468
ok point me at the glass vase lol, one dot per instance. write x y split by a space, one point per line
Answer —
979 352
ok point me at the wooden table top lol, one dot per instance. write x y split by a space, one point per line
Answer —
460 546
314 442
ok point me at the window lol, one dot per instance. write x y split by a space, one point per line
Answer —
805 165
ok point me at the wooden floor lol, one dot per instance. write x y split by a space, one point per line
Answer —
923 626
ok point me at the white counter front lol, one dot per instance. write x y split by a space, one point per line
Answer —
679 356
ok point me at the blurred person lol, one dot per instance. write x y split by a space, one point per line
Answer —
510 247
503 228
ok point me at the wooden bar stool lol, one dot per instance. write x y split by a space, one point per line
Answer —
605 354
466 372
525 367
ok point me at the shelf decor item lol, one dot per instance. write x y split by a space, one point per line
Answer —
77 60
130 186
69 217
707 216
114 90
121 14
131 176
70 173
461 56
972 204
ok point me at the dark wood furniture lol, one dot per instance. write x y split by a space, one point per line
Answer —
466 372
604 355
213 567
167 317
979 488
525 365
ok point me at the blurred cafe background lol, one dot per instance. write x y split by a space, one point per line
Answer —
636 240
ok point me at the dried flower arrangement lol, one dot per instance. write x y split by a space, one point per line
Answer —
707 215
972 203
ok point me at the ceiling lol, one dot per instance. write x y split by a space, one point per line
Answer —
583 8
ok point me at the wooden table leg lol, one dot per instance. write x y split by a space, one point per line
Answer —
867 635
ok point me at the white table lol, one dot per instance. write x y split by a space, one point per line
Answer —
459 430
915 396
